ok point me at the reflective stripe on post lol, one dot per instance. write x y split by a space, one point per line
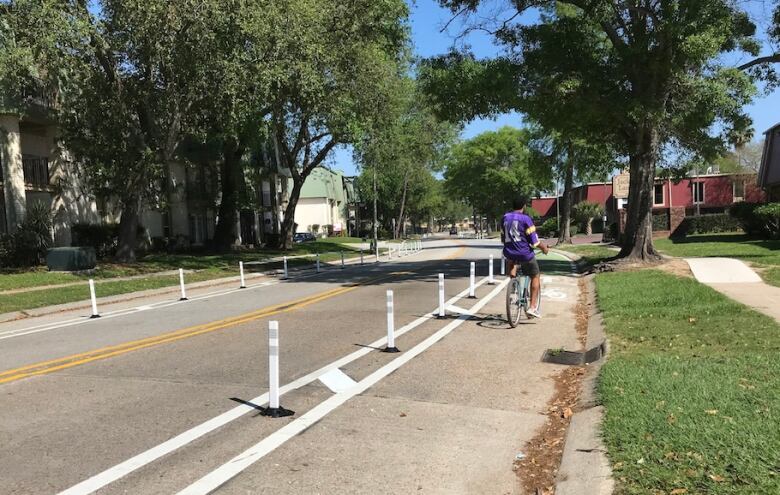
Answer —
93 299
274 410
241 270
390 325
181 284
472 276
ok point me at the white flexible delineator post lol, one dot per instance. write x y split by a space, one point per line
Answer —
181 284
441 296
286 274
92 297
490 271
274 410
241 270
472 276
318 262
390 325
503 265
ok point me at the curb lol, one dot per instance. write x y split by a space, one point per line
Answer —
584 466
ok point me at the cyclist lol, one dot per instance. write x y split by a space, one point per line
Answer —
518 234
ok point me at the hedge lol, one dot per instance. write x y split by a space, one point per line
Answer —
710 224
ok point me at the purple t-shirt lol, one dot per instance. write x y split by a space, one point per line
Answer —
519 236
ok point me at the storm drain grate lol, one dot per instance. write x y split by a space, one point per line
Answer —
573 358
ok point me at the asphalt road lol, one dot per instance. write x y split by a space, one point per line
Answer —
152 400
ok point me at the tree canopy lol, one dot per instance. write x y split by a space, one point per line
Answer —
640 78
491 169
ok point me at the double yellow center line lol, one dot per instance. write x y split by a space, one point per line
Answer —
66 362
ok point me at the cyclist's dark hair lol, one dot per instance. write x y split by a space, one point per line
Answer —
519 202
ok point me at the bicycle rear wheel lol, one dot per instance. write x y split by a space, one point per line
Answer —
513 301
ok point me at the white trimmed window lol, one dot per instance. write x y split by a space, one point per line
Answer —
658 195
739 191
698 192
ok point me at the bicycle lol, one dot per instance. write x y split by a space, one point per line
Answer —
518 295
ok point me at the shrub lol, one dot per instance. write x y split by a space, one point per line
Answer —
769 216
744 213
315 228
27 246
549 228
708 224
660 222
103 237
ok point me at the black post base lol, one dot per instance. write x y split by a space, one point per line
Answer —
277 412
242 287
471 297
391 349
94 316
183 299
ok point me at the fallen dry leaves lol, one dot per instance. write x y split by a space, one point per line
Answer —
538 470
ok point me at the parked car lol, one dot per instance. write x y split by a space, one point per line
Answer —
303 237
454 231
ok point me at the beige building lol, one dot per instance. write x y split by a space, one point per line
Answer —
324 203
35 168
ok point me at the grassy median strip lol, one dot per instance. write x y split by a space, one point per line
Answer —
764 254
200 268
691 388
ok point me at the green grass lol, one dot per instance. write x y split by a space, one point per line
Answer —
691 388
764 254
591 254
205 267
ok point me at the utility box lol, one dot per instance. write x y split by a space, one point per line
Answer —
71 259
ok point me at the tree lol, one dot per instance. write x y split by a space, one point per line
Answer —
127 74
571 160
328 67
763 66
584 213
405 149
641 77
489 170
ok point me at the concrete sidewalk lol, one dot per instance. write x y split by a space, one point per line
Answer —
738 281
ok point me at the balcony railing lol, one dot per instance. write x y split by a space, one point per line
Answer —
36 170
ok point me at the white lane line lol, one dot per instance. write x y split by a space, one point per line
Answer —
337 381
121 312
134 463
233 467
45 327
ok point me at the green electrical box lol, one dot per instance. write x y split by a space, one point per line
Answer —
71 259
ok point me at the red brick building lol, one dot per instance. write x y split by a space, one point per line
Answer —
704 194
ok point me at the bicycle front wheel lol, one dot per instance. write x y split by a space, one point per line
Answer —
513 310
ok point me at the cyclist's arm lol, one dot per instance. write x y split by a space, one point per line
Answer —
533 239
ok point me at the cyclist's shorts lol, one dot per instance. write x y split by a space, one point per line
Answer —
528 268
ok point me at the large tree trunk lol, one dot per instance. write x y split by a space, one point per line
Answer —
225 231
128 230
638 237
288 224
564 227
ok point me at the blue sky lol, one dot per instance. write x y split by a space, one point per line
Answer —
427 20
